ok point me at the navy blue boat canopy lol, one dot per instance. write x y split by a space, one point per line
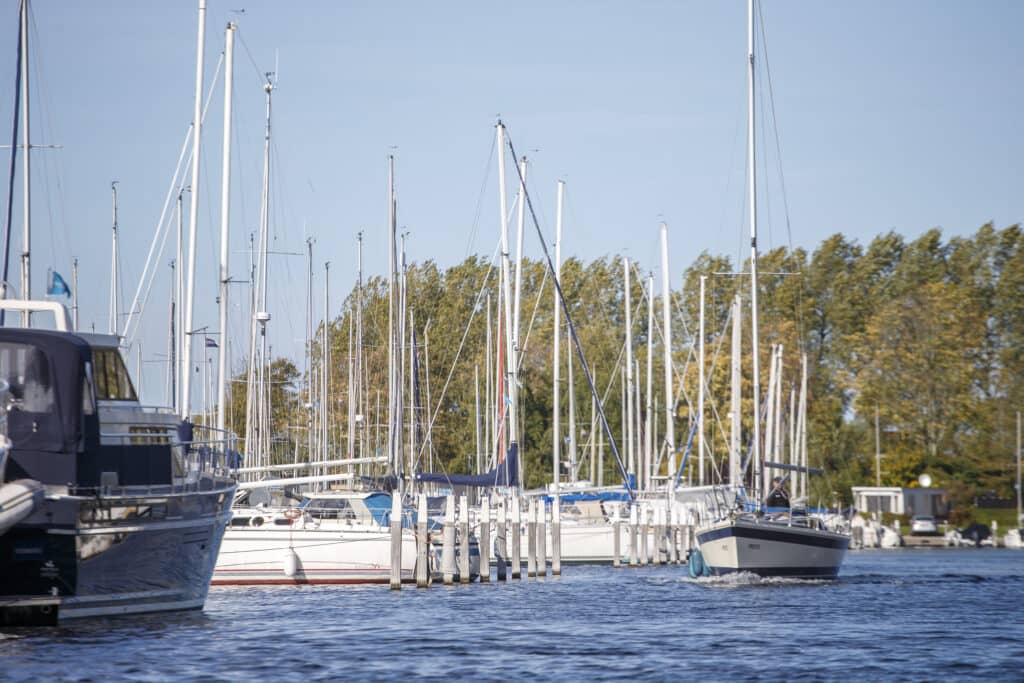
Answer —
504 474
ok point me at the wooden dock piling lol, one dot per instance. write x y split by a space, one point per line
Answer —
485 540
531 539
422 543
396 541
448 542
501 542
463 540
517 537
542 538
556 537
634 559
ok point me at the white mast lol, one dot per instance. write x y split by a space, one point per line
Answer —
510 333
26 279
649 419
519 257
700 388
74 294
556 335
670 427
197 124
114 274
392 391
1020 513
735 478
631 469
802 435
573 452
225 206
325 350
756 454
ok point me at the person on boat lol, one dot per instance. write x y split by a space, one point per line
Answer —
778 496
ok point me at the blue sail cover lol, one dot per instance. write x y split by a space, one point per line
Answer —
505 474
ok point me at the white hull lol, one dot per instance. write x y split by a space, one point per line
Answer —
273 554
1012 539
771 548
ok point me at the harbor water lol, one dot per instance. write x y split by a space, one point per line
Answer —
893 615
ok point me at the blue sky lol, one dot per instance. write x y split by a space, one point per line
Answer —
902 116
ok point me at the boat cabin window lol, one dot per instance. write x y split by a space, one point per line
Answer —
330 508
27 373
111 376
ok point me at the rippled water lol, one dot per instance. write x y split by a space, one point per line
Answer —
907 614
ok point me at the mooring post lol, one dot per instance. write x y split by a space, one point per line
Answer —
463 540
501 542
531 539
448 547
617 539
485 540
556 537
517 538
634 559
422 543
542 538
396 540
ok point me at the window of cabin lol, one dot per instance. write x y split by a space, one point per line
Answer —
111 376
27 372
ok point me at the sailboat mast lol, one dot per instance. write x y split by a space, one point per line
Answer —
26 280
392 451
670 428
700 387
114 284
197 129
510 333
556 335
756 454
631 468
736 411
225 209
649 405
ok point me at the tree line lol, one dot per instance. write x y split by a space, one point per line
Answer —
928 334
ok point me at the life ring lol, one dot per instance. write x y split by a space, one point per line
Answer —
293 513
256 521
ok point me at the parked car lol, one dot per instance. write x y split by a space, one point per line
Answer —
923 525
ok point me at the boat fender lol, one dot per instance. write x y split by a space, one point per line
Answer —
291 563
256 521
695 563
293 513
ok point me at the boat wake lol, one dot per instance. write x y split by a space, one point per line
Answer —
749 579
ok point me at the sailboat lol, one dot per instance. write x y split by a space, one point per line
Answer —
747 538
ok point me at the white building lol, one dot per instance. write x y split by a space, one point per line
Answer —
900 501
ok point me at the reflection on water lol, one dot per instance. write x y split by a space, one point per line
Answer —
907 614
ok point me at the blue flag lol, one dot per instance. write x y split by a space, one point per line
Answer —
57 285
211 343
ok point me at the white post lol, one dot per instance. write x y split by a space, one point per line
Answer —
556 537
531 539
485 540
516 521
197 130
542 535
225 211
670 407
463 540
448 547
422 576
74 294
501 542
396 540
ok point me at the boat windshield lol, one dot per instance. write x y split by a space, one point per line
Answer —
26 371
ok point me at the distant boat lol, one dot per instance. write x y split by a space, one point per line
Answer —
749 539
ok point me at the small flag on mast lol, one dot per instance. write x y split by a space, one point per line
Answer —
211 343
56 285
